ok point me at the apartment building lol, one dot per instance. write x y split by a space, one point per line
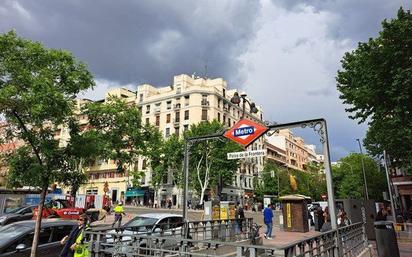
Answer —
172 109
288 150
190 100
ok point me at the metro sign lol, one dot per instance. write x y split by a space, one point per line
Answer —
245 132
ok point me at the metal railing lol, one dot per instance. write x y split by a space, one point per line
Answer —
218 238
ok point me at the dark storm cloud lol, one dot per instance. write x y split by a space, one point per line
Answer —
140 41
357 20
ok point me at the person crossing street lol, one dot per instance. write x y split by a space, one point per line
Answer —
118 214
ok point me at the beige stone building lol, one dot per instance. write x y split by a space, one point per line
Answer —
290 151
188 101
172 109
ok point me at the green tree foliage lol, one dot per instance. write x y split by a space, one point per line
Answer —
348 178
208 159
310 183
37 88
125 139
376 82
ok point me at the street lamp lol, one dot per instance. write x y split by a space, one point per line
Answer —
363 171
236 99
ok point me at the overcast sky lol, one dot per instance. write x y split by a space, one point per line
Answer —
283 53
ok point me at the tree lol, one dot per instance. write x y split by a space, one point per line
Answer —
348 177
209 166
118 127
375 80
37 88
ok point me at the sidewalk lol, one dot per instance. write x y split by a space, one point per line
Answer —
282 238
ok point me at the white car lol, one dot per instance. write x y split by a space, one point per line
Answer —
150 224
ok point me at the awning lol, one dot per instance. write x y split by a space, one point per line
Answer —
134 192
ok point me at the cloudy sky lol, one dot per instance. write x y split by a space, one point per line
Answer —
283 53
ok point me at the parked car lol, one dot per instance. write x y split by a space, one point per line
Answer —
17 238
59 209
154 224
17 214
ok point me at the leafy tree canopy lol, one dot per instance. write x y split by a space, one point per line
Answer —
37 88
210 158
348 177
376 82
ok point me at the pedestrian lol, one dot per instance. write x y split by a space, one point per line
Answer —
169 204
155 203
150 203
118 214
69 241
267 218
343 219
80 248
327 226
382 215
319 220
240 217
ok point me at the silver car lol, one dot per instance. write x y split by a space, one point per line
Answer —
150 224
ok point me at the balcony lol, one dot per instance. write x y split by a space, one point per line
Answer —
205 102
176 122
177 106
157 110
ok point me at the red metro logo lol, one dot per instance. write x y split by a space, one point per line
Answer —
245 132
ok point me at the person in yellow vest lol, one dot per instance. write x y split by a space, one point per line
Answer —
118 213
79 247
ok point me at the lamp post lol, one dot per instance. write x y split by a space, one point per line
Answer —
236 99
363 171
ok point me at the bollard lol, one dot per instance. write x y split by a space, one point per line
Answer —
386 242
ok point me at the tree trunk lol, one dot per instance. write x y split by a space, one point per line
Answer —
38 222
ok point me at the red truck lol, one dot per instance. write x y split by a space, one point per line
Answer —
59 209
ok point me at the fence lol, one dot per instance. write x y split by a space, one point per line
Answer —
349 241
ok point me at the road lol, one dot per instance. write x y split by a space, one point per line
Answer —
197 214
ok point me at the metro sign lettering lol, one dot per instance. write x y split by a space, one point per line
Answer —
245 132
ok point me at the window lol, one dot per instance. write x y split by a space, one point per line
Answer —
111 174
224 119
187 100
144 165
168 118
177 131
92 191
157 120
169 105
177 117
228 121
147 109
218 116
147 121
204 114
224 92
185 127
59 232
178 90
141 98
44 236
167 132
218 103
186 114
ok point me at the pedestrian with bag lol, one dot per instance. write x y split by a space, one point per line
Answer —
69 241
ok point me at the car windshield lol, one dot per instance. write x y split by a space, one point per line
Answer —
13 210
12 231
141 221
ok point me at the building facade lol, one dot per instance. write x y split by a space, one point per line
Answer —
173 109
288 150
